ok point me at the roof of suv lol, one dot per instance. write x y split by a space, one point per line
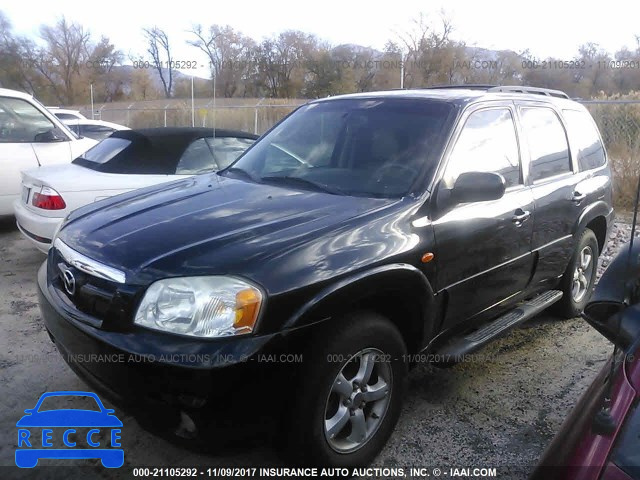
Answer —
463 94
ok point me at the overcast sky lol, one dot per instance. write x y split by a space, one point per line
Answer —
545 27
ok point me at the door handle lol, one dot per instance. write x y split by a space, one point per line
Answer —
520 216
578 197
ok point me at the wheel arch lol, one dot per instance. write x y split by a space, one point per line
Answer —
594 217
400 292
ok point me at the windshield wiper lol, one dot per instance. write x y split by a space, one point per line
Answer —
242 172
304 182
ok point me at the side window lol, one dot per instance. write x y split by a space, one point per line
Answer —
487 143
547 142
197 158
227 149
66 116
583 132
97 132
21 122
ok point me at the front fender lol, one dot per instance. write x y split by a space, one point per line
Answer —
370 285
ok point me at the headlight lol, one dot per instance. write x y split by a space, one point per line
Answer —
200 306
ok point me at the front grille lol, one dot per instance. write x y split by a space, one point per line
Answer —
107 304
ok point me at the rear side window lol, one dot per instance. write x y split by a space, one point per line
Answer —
197 158
227 149
584 133
487 143
547 143
66 116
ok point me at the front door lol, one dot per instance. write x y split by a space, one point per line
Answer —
484 248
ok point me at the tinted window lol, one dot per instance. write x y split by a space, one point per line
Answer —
97 132
227 149
66 116
197 158
487 143
366 147
547 143
584 133
21 122
105 150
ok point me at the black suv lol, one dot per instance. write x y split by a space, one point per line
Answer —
361 234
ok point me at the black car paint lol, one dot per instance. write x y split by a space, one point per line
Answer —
317 255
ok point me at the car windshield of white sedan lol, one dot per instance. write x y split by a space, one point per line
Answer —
105 150
362 147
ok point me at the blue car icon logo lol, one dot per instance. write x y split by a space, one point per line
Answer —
97 429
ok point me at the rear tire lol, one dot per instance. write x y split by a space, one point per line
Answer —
342 416
578 280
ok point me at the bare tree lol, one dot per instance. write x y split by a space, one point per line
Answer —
160 51
229 53
60 61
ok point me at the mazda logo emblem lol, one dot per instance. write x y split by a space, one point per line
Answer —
69 282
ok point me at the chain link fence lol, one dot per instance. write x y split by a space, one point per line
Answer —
618 120
619 124
255 116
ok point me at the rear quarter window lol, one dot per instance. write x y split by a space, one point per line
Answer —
584 135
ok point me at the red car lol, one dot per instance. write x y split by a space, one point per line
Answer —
601 437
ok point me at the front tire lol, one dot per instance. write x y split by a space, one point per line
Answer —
350 393
579 279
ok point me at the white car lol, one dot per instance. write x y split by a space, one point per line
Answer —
65 114
96 129
125 161
30 136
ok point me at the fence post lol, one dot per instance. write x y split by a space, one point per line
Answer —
255 119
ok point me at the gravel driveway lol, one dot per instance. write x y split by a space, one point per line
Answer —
501 409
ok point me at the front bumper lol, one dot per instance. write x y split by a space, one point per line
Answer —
143 370
36 228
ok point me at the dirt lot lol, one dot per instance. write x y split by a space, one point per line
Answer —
501 409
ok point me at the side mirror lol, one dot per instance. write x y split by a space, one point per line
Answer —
478 187
471 187
619 324
47 137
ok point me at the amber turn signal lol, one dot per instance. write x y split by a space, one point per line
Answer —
427 257
247 307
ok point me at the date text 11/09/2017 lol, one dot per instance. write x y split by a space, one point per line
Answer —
310 472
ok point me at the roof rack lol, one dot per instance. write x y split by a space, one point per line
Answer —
470 86
533 90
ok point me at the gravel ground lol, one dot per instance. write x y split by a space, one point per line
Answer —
501 409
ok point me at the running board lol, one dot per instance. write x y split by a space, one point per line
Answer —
455 350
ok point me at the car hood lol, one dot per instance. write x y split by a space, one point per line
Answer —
208 224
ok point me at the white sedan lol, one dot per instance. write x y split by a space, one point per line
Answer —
95 129
30 136
125 161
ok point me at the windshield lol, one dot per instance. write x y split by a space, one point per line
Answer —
363 147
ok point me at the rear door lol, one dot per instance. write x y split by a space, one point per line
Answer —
553 184
28 138
484 248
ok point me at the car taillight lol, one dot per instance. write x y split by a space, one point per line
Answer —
48 199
